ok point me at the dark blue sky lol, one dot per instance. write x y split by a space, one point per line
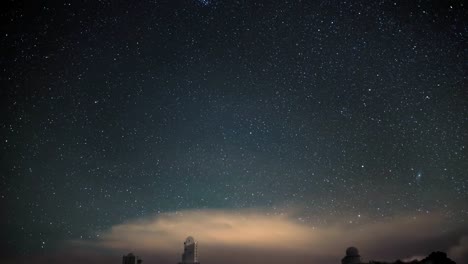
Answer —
116 110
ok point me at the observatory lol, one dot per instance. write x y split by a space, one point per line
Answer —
131 259
190 255
352 256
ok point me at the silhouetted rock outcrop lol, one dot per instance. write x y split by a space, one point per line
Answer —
437 258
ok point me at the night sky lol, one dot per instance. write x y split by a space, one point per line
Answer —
317 116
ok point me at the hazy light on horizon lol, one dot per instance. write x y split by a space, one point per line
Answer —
222 231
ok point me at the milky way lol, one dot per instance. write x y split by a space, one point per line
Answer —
350 114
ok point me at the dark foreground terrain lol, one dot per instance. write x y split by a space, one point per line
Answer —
433 258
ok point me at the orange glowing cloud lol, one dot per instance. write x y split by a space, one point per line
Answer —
263 231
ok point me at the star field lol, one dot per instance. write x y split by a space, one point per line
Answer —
114 110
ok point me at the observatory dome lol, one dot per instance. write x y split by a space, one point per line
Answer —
352 252
189 240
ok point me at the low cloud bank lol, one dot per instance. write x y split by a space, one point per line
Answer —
256 236
460 250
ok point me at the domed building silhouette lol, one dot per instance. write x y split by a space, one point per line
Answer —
352 256
131 259
190 255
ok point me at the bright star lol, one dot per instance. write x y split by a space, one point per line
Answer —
418 176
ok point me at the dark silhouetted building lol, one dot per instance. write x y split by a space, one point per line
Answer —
131 259
190 255
352 256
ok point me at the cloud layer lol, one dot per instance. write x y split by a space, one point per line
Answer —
256 236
